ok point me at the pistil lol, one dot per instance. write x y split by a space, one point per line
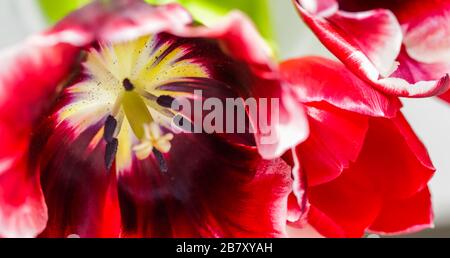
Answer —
127 85
136 112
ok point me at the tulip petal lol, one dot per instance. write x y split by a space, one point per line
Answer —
414 71
348 35
337 86
124 20
370 54
324 225
344 207
405 216
425 25
426 28
322 8
26 94
80 193
395 159
211 189
23 212
336 139
52 55
429 40
392 169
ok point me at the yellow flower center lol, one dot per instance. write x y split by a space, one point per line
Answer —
123 84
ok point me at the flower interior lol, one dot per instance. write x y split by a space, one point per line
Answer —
123 91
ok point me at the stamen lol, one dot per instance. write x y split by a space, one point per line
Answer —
110 128
110 153
161 160
165 101
137 112
128 85
183 123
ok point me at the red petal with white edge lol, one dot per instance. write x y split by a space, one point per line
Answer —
26 94
427 39
370 54
298 204
211 189
372 51
286 127
381 43
420 89
322 8
80 193
413 71
52 55
337 86
425 23
405 216
23 212
344 207
336 139
123 20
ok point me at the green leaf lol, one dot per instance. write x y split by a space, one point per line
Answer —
56 10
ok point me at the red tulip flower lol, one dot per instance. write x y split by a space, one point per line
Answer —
362 169
85 148
400 47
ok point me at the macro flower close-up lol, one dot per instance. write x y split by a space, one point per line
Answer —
234 119
95 156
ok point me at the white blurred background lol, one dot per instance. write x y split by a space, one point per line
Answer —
429 117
